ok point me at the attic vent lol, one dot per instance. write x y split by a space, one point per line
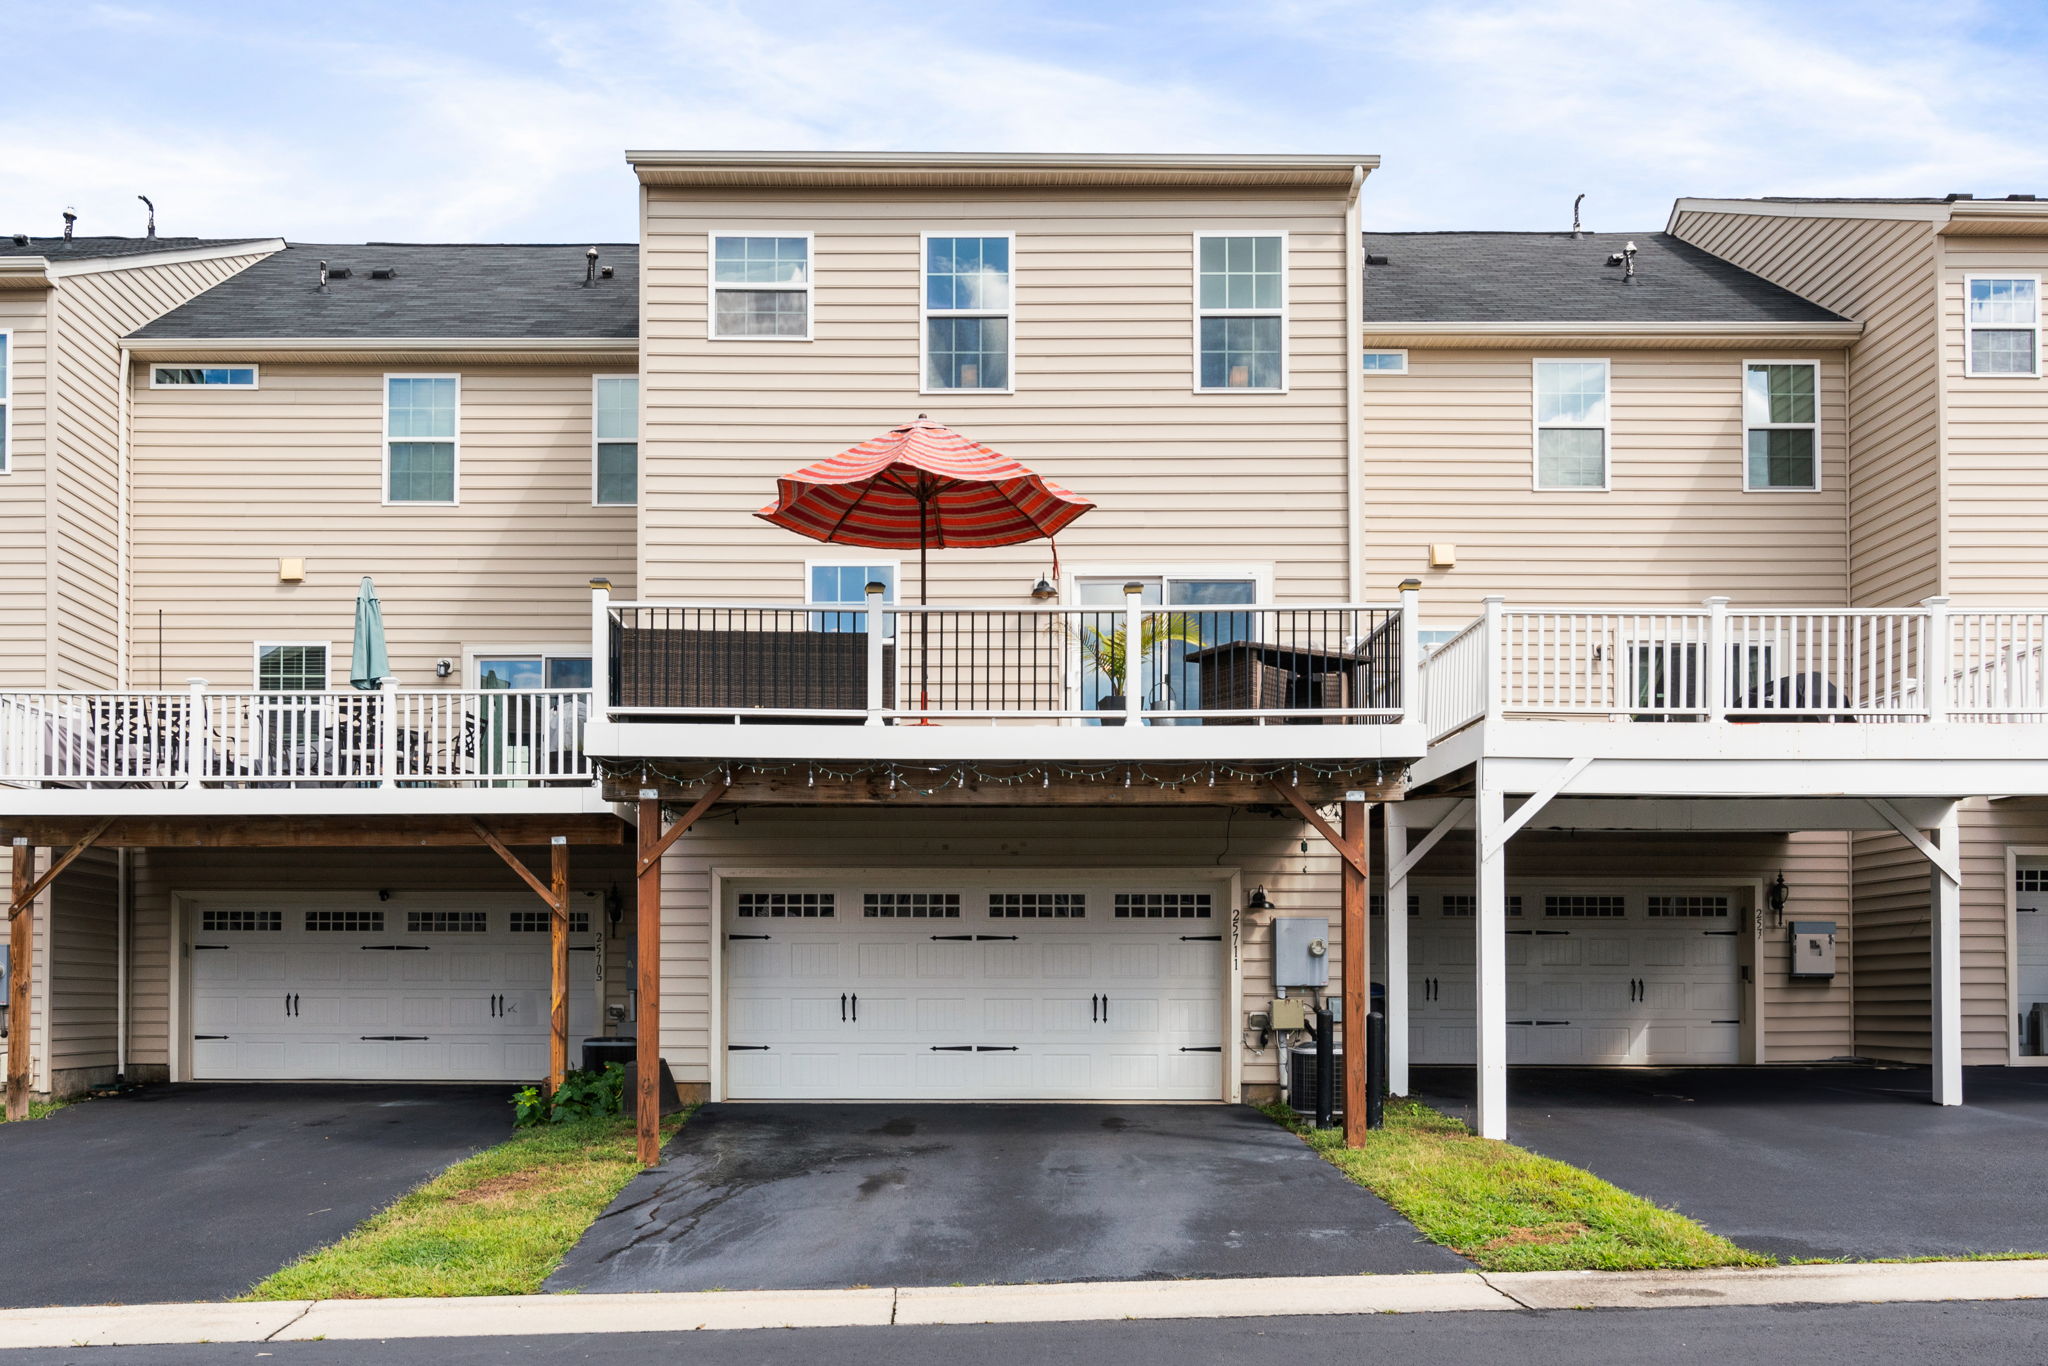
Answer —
1372 260
21 239
383 272
338 272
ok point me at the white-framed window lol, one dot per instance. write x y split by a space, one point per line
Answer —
969 311
291 665
422 416
1781 426
519 670
1386 362
1240 312
1208 611
1571 424
215 376
761 286
2002 326
6 401
615 440
828 581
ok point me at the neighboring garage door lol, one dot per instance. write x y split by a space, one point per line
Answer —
1055 989
415 989
1640 977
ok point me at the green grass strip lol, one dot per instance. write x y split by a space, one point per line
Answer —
494 1224
1508 1209
40 1109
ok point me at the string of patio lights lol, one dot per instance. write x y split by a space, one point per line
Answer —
930 778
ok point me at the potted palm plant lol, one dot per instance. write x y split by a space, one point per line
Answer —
1106 650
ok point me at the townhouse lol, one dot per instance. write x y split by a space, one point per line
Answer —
1431 526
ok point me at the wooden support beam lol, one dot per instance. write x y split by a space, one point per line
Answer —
654 842
515 863
558 964
1357 966
1003 785
311 832
1354 859
20 958
651 853
22 898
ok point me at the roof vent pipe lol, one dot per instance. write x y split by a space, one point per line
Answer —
590 267
150 230
323 275
70 219
1577 232
1626 259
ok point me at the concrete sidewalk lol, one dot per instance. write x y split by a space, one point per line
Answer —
527 1315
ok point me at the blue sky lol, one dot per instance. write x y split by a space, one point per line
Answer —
457 121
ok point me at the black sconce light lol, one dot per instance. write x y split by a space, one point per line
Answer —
1775 897
614 907
1259 900
1043 591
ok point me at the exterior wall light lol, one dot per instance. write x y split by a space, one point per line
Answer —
1775 897
1043 591
1259 900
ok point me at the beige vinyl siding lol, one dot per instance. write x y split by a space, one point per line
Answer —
1880 272
1804 1021
1185 842
1893 893
24 543
228 481
1448 456
1104 376
90 313
77 977
1997 445
160 875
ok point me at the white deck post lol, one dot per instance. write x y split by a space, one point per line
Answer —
1491 956
1492 654
195 730
1945 967
1411 671
1717 660
1936 664
876 625
387 730
600 648
1134 654
1395 915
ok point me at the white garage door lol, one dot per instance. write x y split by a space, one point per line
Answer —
448 989
1593 977
1023 991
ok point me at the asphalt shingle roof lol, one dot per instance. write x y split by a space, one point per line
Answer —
1486 277
439 290
98 248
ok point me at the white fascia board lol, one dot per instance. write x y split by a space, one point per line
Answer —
1698 815
24 273
339 801
148 347
1761 208
942 744
96 265
1842 332
1244 161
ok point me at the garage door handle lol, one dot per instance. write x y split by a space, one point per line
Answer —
1205 1048
842 1007
394 1038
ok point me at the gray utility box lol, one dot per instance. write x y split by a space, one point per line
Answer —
1301 951
1813 948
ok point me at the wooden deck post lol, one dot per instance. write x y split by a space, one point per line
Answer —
647 986
1356 967
20 954
558 961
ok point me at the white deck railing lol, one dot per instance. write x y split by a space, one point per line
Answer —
1717 663
395 737
875 662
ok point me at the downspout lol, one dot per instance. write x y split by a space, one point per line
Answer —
120 965
1354 320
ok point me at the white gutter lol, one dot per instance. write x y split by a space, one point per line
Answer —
1844 328
148 347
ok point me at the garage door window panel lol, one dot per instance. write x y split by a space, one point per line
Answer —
910 905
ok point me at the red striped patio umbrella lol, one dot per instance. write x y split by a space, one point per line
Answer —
921 484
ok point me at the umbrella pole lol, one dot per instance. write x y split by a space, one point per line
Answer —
924 621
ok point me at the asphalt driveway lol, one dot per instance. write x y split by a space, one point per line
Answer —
196 1192
822 1196
1799 1161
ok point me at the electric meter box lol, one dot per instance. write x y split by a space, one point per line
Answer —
1301 951
1813 948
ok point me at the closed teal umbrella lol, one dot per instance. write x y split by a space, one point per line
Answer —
369 662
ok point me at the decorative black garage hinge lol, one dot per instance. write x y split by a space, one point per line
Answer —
209 1036
746 1048
1202 938
394 1038
1563 932
1204 1048
750 936
394 948
995 1048
952 1048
